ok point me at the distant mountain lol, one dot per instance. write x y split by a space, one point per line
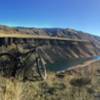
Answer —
68 33
54 51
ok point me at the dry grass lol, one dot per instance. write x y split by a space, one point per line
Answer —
54 88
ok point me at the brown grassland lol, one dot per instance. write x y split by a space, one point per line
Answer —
68 86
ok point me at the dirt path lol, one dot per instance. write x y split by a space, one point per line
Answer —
85 64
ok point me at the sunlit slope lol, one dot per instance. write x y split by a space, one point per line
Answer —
54 50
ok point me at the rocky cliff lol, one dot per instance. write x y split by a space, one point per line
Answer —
66 49
53 51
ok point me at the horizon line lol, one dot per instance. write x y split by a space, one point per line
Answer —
46 27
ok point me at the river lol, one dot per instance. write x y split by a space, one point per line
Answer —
62 64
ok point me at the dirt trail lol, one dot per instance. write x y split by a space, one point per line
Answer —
85 64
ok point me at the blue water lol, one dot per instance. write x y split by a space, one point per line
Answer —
62 64
97 57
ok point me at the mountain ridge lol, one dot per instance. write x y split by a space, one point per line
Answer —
61 50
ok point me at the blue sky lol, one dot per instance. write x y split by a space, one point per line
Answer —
78 14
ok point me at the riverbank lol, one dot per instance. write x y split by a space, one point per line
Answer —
80 65
85 63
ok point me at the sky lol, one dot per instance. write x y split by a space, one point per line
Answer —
81 15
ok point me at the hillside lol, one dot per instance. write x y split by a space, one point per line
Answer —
70 86
68 49
73 84
53 51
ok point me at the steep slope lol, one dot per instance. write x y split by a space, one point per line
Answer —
56 50
53 51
